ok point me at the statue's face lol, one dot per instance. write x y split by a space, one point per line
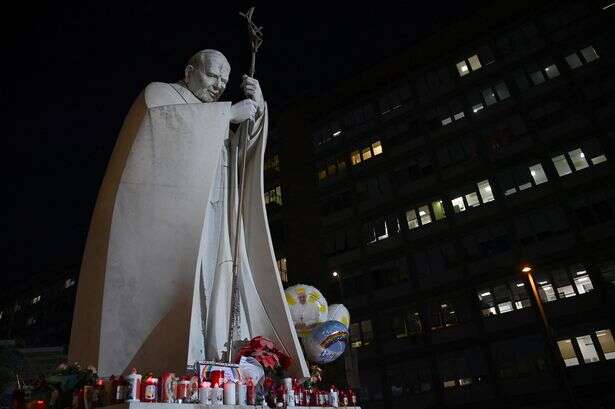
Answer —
208 80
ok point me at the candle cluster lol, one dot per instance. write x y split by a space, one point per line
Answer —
215 390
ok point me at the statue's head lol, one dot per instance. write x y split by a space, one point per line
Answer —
206 75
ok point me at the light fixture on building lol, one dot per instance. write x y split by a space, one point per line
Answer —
335 274
526 269
485 294
337 133
520 284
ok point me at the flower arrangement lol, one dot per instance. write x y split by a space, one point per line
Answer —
263 350
67 379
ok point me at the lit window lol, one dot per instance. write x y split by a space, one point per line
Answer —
446 121
477 108
582 282
449 384
486 301
322 174
562 284
36 299
424 215
438 209
366 153
331 169
567 351
474 62
377 148
505 307
605 338
510 191
525 186
538 174
552 71
274 196
485 191
561 165
463 69
459 115
546 291
489 96
590 54
502 90
537 77
465 381
413 223
472 199
282 269
458 205
587 348
598 159
578 159
573 61
355 157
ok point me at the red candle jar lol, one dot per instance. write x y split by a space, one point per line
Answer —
216 376
183 387
150 391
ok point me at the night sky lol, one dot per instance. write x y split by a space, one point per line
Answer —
75 70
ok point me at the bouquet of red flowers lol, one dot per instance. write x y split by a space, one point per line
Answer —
263 350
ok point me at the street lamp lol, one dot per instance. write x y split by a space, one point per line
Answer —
527 270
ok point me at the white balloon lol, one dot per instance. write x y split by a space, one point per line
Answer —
339 312
308 307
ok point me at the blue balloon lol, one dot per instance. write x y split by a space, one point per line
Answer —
326 342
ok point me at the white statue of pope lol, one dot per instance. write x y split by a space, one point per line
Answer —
155 283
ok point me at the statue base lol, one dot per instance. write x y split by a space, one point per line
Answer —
147 405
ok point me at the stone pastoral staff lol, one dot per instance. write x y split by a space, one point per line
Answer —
155 283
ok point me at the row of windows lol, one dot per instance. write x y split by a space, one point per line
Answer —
519 41
532 228
407 323
68 283
366 153
518 358
274 196
490 95
503 298
495 299
510 180
425 214
591 348
336 164
499 92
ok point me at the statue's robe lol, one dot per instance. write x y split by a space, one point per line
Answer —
155 283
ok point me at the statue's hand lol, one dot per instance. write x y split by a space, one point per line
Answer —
243 110
252 90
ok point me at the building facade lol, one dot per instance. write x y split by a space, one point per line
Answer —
428 182
38 312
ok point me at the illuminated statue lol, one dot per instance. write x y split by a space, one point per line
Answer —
155 283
